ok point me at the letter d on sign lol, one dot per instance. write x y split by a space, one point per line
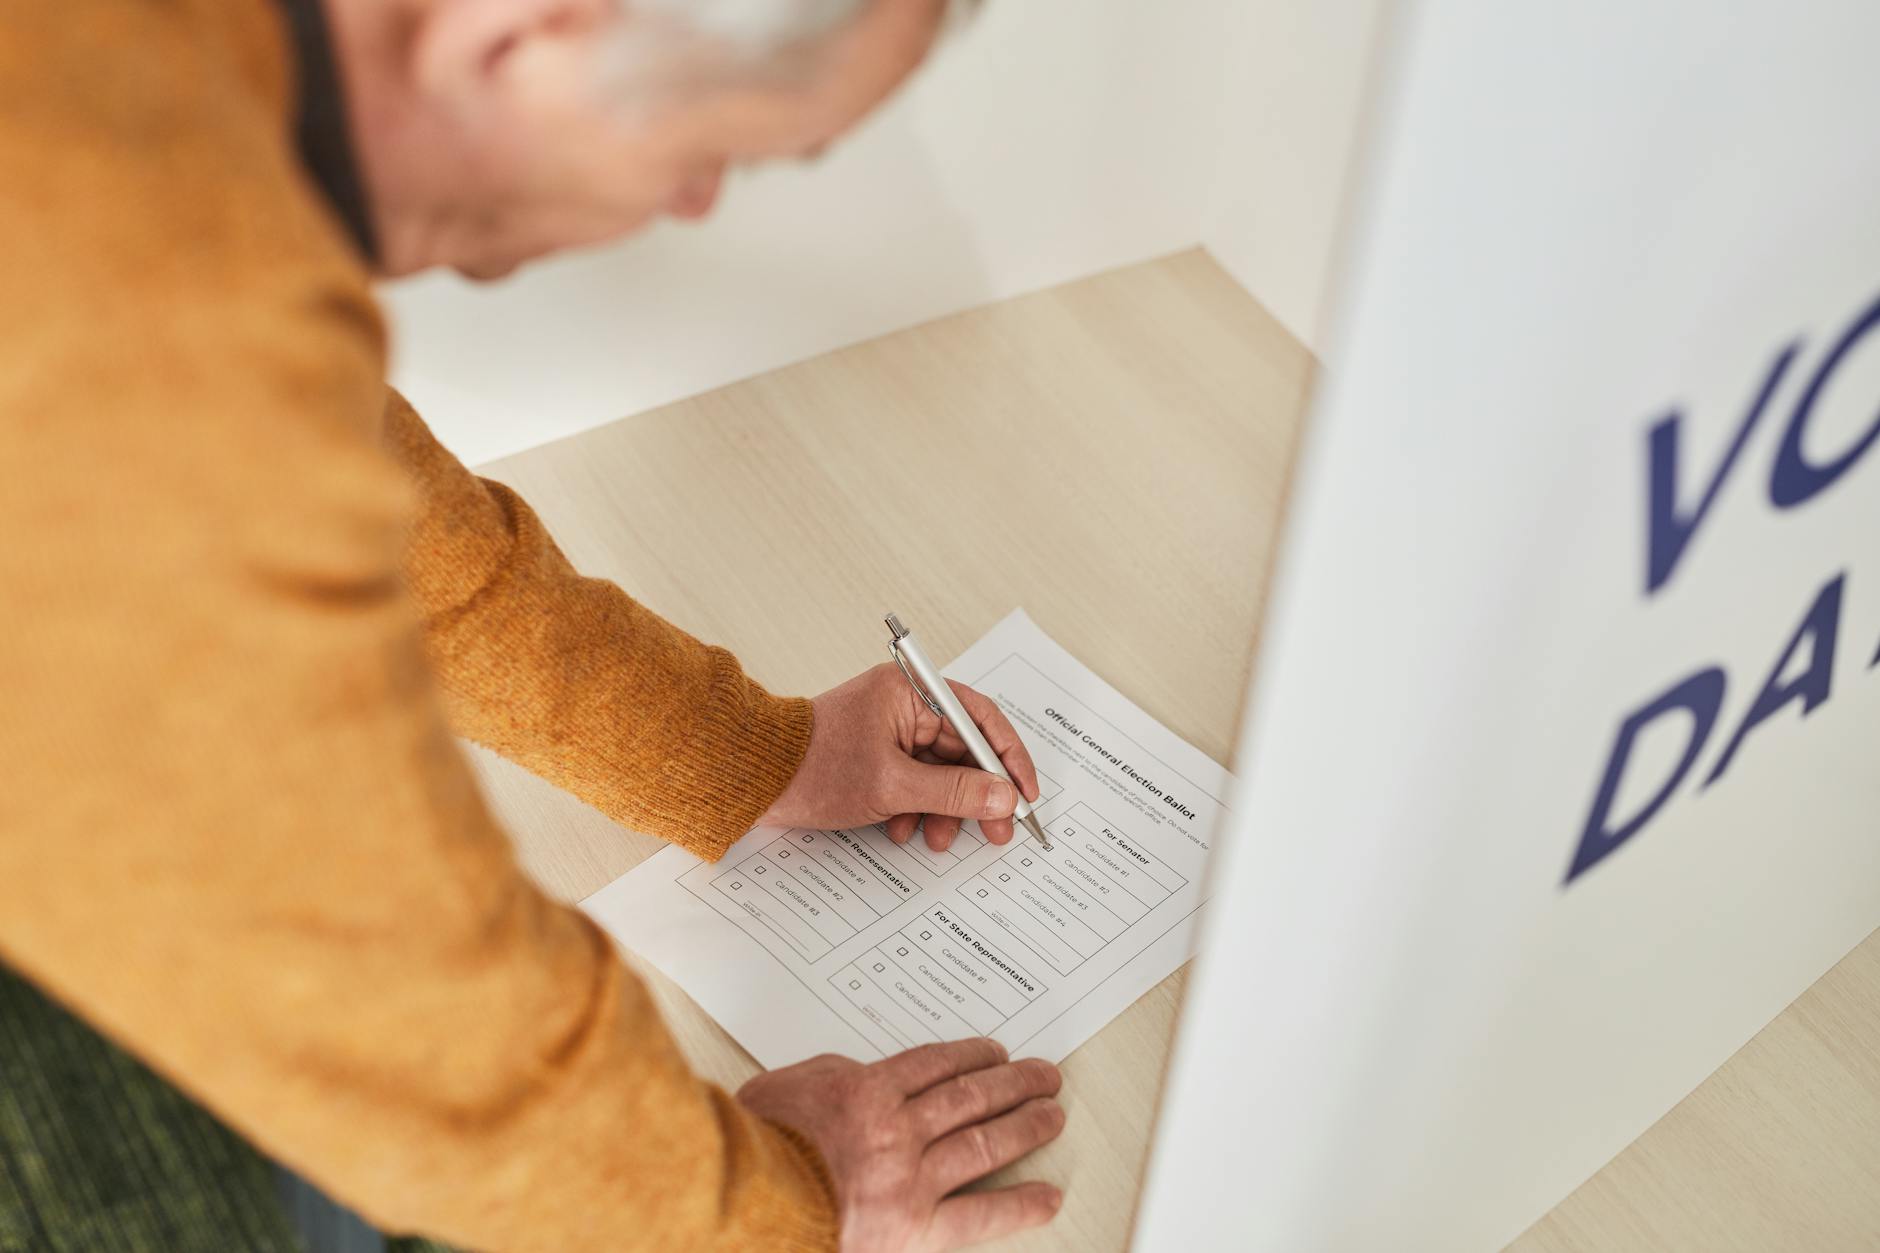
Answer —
1700 695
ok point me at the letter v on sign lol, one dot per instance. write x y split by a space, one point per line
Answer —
1669 528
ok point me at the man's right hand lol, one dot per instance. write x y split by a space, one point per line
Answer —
900 1135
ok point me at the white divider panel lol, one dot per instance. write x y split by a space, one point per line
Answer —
1560 779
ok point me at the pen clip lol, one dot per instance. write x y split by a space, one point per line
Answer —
894 650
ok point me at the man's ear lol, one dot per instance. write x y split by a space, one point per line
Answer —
464 43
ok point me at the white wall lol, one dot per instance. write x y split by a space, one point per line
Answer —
1293 100
1053 139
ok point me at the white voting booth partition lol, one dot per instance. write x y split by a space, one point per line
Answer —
1560 776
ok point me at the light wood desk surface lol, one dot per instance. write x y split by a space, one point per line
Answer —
1117 452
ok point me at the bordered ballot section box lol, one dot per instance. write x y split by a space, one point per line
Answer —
1066 904
942 977
815 889
1007 932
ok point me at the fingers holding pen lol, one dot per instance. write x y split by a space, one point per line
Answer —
1002 736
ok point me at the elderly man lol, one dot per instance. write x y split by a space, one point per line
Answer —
248 598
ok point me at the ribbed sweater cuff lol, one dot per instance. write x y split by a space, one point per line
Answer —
743 753
815 1229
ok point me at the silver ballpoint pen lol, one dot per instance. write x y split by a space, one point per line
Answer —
938 695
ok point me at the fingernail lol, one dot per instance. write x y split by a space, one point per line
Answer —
1001 799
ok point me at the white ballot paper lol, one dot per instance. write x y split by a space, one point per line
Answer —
808 941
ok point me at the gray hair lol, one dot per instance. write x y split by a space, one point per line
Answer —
757 25
695 43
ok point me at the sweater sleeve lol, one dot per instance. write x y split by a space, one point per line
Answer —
240 839
235 831
574 680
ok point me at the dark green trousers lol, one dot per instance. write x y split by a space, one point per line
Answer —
99 1155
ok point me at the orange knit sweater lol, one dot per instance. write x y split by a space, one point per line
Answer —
245 599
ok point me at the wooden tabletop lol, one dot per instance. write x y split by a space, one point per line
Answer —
1115 454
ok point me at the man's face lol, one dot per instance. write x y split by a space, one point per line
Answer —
588 131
